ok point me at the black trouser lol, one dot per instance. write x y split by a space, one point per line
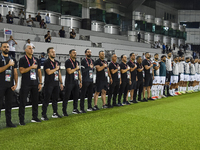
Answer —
113 90
123 89
74 89
140 89
50 91
86 87
8 93
24 91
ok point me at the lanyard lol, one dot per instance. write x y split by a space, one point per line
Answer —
103 63
28 61
52 65
114 64
5 60
149 61
132 62
72 63
88 62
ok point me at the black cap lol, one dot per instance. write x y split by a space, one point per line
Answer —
43 54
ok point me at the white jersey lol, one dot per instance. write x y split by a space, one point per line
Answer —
156 72
192 69
169 64
187 68
175 69
196 67
181 67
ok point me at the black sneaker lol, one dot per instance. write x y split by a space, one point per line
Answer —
127 103
90 109
44 118
56 115
11 125
168 95
131 101
75 111
104 107
95 108
134 101
35 120
82 111
110 106
144 100
139 100
119 104
151 99
21 123
114 105
65 114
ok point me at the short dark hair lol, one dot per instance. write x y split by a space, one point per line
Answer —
175 56
48 49
71 51
155 54
100 52
169 52
28 39
3 43
146 53
48 31
138 57
131 54
87 50
187 58
122 56
163 56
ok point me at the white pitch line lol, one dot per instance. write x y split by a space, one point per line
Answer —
29 106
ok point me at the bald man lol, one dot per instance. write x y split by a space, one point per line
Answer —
114 69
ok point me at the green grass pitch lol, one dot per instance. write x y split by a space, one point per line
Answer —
166 124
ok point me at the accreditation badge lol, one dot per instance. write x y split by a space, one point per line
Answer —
75 75
91 74
32 74
8 75
56 76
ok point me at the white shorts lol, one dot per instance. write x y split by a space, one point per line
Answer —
174 79
198 77
192 78
181 77
186 77
156 80
162 79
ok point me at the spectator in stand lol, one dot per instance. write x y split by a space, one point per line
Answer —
1 18
139 36
21 17
194 55
174 47
143 56
47 37
166 48
12 44
169 49
62 32
180 53
47 19
163 47
29 21
9 18
72 34
29 43
43 24
38 18
42 59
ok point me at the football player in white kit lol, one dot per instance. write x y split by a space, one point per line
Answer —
186 73
156 81
181 74
192 77
196 64
174 77
169 72
198 75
